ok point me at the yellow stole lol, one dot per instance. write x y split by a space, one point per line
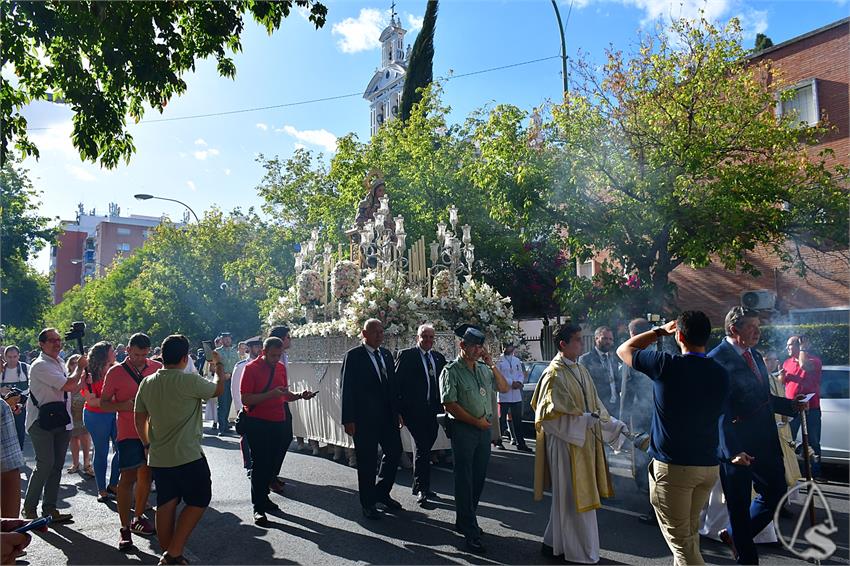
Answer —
566 388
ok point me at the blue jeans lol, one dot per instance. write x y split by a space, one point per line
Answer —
103 428
224 402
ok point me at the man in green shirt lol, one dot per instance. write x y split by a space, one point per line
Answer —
466 390
169 422
229 356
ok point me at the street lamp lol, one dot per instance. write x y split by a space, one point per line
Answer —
148 197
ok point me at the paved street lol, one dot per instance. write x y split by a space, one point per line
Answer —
321 521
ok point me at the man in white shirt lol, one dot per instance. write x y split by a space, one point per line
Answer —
49 384
511 402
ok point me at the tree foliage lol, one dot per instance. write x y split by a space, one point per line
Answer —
108 60
420 68
675 157
428 165
198 280
25 293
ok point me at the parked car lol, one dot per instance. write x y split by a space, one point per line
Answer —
535 370
835 414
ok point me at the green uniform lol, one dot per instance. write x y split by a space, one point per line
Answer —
472 390
229 358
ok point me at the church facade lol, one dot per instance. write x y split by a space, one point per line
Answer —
385 88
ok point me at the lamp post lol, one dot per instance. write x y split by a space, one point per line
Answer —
143 196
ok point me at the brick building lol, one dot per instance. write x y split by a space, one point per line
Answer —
815 64
91 243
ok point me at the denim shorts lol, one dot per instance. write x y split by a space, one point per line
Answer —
131 454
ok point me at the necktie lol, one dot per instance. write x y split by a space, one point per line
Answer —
431 375
381 369
748 357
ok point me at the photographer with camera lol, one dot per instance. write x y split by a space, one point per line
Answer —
49 423
15 378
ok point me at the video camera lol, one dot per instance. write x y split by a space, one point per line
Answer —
78 330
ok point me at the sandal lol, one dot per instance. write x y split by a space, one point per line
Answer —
89 471
168 559
73 469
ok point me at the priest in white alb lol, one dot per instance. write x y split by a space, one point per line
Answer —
571 425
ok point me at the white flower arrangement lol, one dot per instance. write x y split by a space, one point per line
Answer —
387 298
310 289
345 280
287 310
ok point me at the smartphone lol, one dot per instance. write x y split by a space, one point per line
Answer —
34 525
208 349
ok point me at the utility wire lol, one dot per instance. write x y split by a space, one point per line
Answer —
325 99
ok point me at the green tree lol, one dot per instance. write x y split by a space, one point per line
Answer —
674 156
198 280
420 68
762 42
25 293
428 166
107 60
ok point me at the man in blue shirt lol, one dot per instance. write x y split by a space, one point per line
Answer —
689 393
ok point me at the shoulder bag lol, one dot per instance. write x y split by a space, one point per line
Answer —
52 415
243 419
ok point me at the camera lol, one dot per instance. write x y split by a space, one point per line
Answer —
78 330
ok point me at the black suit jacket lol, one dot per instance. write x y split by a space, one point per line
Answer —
411 375
747 423
365 400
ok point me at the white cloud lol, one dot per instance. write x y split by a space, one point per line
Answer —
191 185
204 153
297 145
261 126
322 138
227 171
361 33
415 24
752 21
56 138
80 173
200 141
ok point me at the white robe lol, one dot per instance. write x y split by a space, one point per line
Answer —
570 533
715 517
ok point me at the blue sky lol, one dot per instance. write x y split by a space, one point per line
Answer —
211 161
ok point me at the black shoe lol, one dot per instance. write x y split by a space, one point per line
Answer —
270 506
726 538
432 496
371 513
390 503
480 531
524 448
500 446
474 545
422 498
260 519
547 551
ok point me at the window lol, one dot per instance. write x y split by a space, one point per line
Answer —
146 234
585 269
124 247
123 231
802 102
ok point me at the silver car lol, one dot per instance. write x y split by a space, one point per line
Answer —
835 414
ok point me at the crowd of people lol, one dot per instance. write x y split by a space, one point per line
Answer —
710 419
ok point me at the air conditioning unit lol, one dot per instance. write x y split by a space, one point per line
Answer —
758 299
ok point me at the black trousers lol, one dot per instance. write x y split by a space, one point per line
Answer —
423 429
287 437
266 441
748 517
515 424
367 437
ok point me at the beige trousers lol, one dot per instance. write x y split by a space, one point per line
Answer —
678 494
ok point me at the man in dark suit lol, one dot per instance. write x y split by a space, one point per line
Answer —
750 453
604 367
370 414
416 370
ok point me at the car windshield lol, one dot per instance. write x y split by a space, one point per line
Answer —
835 384
536 372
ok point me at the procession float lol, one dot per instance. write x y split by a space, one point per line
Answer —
375 274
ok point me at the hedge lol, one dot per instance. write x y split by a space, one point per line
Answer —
827 341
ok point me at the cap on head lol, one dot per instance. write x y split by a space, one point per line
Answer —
225 335
254 341
471 335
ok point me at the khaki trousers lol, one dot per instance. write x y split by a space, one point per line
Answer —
678 494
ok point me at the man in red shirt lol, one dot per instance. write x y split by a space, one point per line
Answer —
801 373
119 394
264 390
